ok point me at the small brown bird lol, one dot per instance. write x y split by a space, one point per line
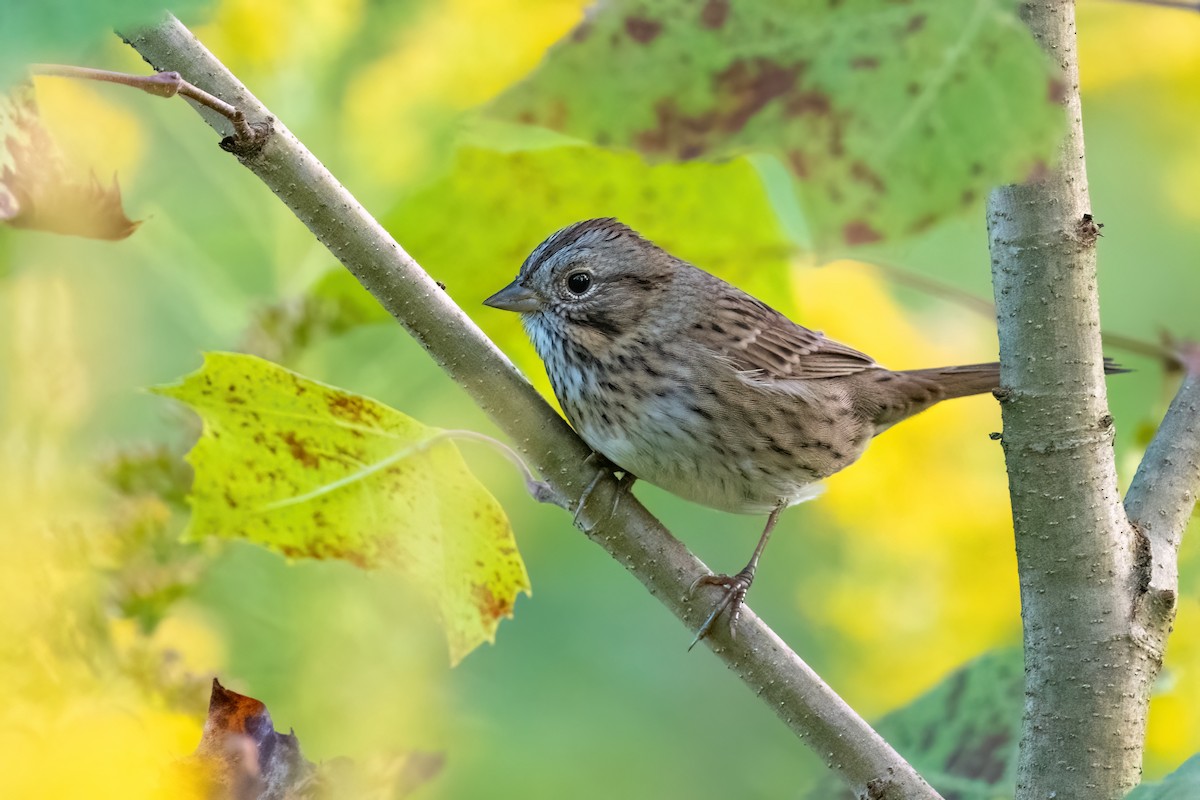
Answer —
685 381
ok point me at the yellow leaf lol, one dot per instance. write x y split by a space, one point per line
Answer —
275 35
89 125
1174 727
1166 42
404 107
312 471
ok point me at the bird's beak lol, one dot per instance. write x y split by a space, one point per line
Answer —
514 297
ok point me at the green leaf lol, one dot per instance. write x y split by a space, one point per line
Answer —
312 471
65 30
715 215
962 734
889 114
1182 784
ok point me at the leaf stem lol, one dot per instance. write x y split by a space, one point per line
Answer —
539 490
165 84
903 276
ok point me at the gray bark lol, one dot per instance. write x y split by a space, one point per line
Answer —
1097 590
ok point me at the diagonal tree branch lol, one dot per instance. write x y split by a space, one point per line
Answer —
1097 590
632 536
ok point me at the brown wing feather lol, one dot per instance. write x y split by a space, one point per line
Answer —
758 340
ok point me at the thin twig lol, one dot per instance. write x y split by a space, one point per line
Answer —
935 288
540 491
775 674
904 276
162 84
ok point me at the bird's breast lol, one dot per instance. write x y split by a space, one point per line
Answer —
695 428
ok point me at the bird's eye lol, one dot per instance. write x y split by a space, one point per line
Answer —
578 282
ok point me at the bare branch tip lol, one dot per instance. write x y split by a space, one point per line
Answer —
1089 230
248 138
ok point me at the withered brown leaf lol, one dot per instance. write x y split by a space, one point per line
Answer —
39 190
242 757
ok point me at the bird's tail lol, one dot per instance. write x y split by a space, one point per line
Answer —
922 388
950 382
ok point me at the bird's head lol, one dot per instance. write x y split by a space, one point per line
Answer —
592 283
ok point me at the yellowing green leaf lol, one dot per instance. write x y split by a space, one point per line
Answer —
715 215
889 115
313 471
458 53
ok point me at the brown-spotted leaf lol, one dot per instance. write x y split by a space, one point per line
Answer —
889 115
313 471
39 190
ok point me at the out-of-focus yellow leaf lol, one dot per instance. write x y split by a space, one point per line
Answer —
402 109
95 748
1160 65
929 572
76 717
1156 43
1174 726
268 34
91 129
313 471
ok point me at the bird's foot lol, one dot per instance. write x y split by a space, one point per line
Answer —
734 597
604 467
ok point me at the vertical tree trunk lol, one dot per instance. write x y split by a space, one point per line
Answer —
1091 653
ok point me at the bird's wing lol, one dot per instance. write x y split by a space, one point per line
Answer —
765 346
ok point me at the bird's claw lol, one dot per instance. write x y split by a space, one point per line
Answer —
733 598
605 468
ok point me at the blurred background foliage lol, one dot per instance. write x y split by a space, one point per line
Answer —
110 629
